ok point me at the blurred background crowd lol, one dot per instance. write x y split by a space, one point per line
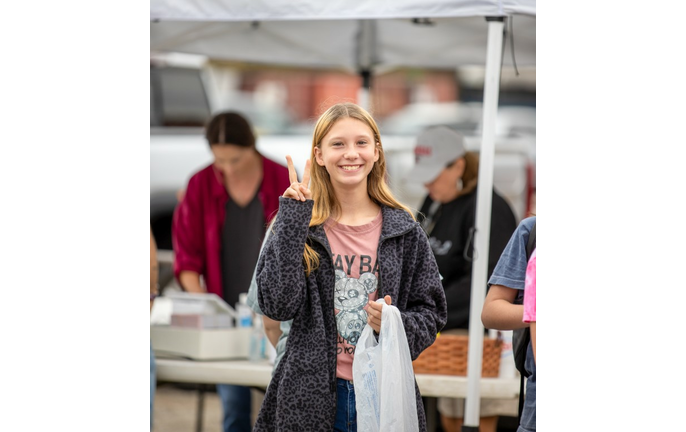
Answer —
282 103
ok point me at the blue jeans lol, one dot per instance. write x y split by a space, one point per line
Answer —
528 421
236 405
346 414
153 382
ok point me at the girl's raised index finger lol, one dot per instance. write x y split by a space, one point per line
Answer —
306 173
292 175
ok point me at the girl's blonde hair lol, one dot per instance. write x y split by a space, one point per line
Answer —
325 202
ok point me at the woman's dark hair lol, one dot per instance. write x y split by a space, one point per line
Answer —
229 128
471 171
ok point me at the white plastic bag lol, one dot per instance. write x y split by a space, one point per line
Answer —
384 379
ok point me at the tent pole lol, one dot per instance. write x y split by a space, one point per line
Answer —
483 221
363 94
366 57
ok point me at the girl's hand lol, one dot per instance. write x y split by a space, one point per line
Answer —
296 190
374 313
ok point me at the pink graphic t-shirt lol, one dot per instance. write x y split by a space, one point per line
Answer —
357 271
530 290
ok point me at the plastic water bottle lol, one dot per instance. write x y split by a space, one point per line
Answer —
257 342
507 364
244 312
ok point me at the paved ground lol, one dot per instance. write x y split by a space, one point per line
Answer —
176 407
175 410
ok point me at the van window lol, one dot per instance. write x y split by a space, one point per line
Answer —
177 97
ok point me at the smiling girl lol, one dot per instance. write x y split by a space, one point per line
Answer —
336 246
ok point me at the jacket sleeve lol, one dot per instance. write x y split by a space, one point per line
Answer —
188 238
281 283
426 312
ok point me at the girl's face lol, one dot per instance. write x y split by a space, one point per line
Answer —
348 152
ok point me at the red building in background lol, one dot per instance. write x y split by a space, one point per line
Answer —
308 93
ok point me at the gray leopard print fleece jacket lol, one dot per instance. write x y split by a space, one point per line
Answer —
302 393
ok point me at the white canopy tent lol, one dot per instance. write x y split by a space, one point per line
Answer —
357 38
368 37
435 42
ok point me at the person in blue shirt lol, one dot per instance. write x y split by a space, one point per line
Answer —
500 311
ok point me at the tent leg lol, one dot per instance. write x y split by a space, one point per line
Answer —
366 58
431 422
201 408
483 222
363 94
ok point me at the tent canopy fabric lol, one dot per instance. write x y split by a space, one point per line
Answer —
285 10
433 34
351 45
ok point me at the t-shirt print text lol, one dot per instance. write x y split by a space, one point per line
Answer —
351 295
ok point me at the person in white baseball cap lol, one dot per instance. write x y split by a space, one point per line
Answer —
449 173
436 147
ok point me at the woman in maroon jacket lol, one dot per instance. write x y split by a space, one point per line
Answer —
219 225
